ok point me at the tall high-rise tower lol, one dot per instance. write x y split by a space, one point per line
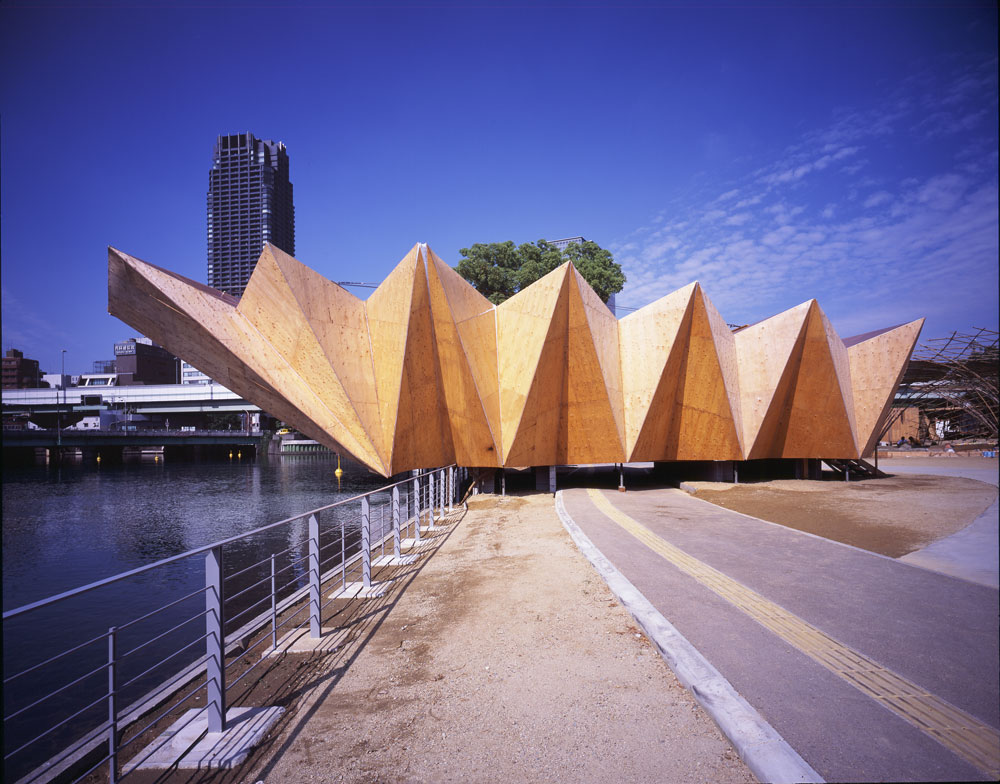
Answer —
249 203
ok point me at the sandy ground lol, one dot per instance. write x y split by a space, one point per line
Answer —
502 657
893 516
507 660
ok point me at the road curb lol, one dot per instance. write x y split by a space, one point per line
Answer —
764 751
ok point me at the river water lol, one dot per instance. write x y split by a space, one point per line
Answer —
68 526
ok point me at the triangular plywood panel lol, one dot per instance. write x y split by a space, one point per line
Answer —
531 327
767 355
725 349
271 306
388 312
690 417
590 417
338 320
808 415
475 317
423 432
842 368
703 425
256 351
877 367
153 300
470 428
603 327
204 327
649 340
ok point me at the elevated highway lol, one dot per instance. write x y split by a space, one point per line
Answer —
158 399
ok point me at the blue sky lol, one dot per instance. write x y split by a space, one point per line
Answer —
775 152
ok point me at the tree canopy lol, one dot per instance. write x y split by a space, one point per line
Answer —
499 270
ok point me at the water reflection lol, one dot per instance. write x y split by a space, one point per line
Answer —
67 526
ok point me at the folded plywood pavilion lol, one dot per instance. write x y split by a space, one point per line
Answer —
428 372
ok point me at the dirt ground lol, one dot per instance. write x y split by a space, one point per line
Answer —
501 656
506 660
893 516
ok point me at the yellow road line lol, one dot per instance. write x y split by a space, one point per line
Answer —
969 738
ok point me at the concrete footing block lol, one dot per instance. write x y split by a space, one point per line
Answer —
391 560
180 747
299 641
359 591
429 529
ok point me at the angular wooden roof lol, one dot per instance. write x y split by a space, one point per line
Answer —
428 372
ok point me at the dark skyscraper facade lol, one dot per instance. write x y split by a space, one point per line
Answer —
249 203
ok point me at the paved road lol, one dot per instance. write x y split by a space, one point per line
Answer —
857 660
943 466
972 553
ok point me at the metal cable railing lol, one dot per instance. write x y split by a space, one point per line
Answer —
350 531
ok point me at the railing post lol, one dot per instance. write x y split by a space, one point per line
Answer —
343 554
112 706
416 510
274 606
314 608
381 528
395 522
451 488
431 498
366 543
442 491
215 682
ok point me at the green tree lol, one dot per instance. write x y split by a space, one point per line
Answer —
499 270
493 267
597 266
537 260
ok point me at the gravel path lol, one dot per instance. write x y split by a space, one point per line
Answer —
505 659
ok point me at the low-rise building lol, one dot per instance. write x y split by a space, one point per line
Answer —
59 380
141 361
19 372
98 380
191 375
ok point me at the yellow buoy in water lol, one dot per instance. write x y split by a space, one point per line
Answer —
240 454
98 458
230 454
339 472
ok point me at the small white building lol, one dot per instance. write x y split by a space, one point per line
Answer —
98 380
191 375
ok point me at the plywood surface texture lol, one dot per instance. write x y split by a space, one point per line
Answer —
876 368
428 372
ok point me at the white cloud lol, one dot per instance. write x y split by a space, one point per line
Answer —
749 201
877 198
876 251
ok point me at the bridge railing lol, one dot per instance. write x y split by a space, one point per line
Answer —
91 700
